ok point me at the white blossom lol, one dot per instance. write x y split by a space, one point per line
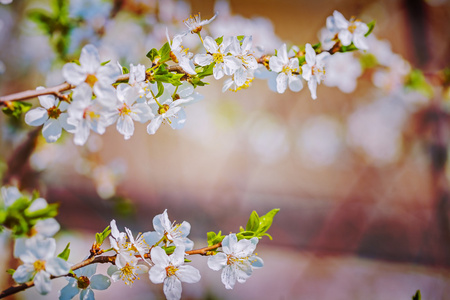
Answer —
40 263
175 234
85 285
195 23
172 271
237 260
224 64
286 67
126 270
52 115
180 54
348 31
314 69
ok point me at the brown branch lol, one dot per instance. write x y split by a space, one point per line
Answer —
205 250
94 260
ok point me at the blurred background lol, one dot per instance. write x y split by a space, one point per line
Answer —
360 174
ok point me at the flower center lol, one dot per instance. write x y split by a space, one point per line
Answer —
91 80
124 110
127 274
39 265
170 270
163 109
317 71
286 70
83 282
53 112
90 114
176 97
352 27
218 57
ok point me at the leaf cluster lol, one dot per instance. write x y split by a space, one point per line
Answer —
20 220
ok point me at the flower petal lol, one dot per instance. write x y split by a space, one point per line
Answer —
24 273
57 266
217 262
68 292
282 82
172 288
73 73
188 274
295 83
228 277
42 282
36 116
89 59
154 125
100 282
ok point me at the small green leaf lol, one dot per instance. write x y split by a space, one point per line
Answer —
152 55
371 26
214 238
266 221
165 53
416 81
368 61
219 40
417 296
65 253
317 46
10 271
100 237
169 250
105 62
125 70
253 222
16 108
160 89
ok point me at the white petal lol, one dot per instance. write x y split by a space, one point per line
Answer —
47 227
125 126
217 262
100 282
68 292
276 64
109 73
282 54
172 288
142 112
210 44
159 257
228 277
345 36
360 42
57 266
82 133
187 65
188 274
218 71
42 282
47 101
340 20
310 56
82 93
203 59
185 89
152 237
64 124
312 85
23 273
73 73
36 117
154 125
295 83
282 81
306 72
87 294
51 130
89 59
39 203
157 273
178 121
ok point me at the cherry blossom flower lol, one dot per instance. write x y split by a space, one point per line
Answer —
90 69
52 115
127 270
172 271
314 69
286 67
195 23
179 54
348 31
343 70
169 233
85 284
237 260
224 64
85 114
169 106
126 109
40 263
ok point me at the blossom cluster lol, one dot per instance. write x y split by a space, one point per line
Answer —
161 254
104 94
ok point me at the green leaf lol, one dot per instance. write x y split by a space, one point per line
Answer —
100 237
219 40
125 70
160 89
10 271
205 71
266 221
417 296
47 212
16 108
169 250
152 55
240 38
317 46
65 253
368 61
175 79
214 238
253 222
371 26
105 62
416 81
164 53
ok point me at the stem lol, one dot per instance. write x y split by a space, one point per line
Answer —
205 250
